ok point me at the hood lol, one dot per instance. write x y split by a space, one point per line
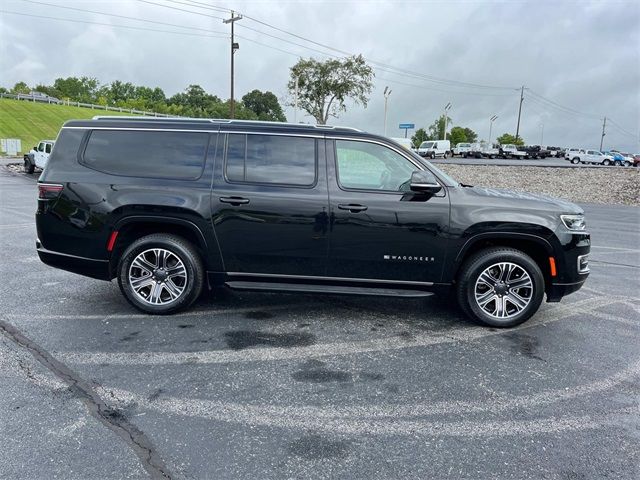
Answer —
501 197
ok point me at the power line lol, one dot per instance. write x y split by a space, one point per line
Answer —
111 25
122 16
427 77
556 104
626 132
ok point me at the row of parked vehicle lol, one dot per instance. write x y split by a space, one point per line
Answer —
442 149
596 157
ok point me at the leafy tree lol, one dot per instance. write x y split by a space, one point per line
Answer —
436 129
323 87
419 137
82 89
119 92
470 134
264 105
3 90
20 87
507 138
457 135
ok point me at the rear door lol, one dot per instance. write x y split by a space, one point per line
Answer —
270 204
379 229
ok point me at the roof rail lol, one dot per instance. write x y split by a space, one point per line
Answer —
219 120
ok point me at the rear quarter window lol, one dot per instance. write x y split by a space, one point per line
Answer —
154 154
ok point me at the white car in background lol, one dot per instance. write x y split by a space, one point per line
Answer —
435 148
404 142
461 149
38 156
593 157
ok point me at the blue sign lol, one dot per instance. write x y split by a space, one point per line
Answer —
407 125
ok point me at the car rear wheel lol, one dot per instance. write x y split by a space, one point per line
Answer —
617 163
161 274
606 162
446 155
500 287
575 161
28 166
627 163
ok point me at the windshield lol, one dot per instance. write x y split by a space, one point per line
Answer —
426 145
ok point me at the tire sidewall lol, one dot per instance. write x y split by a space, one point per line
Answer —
190 263
478 265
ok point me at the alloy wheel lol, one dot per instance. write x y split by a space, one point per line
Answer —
503 290
157 276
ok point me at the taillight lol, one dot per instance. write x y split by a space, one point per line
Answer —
48 191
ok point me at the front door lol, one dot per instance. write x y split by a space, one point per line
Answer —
270 204
379 228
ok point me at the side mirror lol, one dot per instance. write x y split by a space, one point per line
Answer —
424 182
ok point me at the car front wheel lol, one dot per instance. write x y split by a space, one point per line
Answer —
500 287
575 161
606 162
161 274
28 166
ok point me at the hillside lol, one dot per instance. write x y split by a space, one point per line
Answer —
32 122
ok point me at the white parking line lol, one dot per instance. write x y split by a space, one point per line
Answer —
552 314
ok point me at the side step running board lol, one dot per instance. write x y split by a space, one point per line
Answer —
331 289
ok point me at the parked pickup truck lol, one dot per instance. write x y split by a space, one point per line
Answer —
593 157
461 149
535 151
511 151
38 156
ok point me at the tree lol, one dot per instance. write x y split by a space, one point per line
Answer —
264 105
436 129
458 135
419 137
323 87
20 87
82 89
507 138
470 134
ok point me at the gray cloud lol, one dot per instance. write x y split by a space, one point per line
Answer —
583 55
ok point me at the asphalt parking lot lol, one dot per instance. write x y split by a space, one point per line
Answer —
304 386
528 162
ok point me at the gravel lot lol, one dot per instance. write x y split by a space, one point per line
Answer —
614 186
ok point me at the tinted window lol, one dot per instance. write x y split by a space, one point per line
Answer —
177 155
271 159
47 148
369 166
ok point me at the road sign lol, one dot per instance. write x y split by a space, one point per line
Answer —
407 125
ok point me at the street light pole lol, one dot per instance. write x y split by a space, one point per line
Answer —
234 47
519 112
491 120
386 93
446 109
541 134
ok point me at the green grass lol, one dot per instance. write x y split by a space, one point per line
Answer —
32 121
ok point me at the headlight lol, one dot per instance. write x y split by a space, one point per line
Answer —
574 222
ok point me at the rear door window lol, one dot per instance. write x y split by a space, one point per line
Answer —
271 159
156 154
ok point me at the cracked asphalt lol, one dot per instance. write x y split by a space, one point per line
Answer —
303 386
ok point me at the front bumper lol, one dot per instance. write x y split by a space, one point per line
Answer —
558 290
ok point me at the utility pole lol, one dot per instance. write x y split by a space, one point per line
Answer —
604 124
295 103
491 120
447 107
386 93
519 112
541 134
234 47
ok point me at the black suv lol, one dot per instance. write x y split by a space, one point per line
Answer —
168 206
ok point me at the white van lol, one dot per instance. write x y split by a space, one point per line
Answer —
461 149
405 142
435 148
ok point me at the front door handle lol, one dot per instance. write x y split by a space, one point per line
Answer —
234 200
352 208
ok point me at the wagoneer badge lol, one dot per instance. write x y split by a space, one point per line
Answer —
409 258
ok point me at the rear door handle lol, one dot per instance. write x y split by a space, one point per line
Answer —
352 208
235 200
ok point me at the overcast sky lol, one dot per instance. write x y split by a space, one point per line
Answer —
584 56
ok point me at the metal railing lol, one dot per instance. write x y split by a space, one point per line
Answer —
54 101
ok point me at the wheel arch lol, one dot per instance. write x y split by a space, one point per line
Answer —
538 248
133 227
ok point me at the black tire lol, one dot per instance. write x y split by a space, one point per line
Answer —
606 162
433 155
446 155
617 163
28 166
179 247
627 163
476 264
575 161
